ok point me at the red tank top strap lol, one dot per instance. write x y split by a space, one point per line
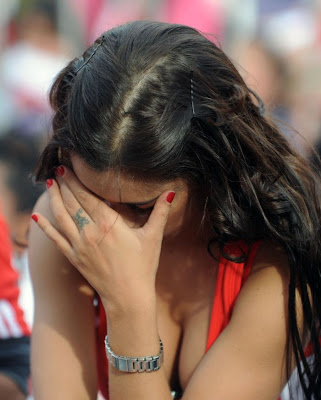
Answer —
230 278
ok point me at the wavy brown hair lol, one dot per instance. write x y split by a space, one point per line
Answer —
162 101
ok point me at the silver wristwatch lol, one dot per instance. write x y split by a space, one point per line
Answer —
135 364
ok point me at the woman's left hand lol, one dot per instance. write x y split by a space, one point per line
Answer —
119 262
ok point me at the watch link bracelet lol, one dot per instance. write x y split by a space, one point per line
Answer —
135 364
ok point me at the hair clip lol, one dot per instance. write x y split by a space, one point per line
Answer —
192 93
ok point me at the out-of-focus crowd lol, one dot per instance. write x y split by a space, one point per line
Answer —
276 45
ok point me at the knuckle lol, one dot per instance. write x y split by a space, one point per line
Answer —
73 259
50 233
79 253
81 196
163 214
106 230
154 236
88 236
68 203
77 248
59 214
46 229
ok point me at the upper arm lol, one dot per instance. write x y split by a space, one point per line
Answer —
248 360
63 339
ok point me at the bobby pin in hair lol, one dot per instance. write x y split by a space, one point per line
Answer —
192 93
91 53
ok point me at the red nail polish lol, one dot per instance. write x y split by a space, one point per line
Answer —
34 217
61 170
170 197
49 183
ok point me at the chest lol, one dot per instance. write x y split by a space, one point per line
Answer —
184 310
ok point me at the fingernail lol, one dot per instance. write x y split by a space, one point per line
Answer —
61 170
49 183
170 197
34 217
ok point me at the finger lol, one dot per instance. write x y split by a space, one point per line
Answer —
53 234
158 218
78 215
95 208
62 218
87 200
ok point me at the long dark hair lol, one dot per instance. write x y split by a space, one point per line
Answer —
162 101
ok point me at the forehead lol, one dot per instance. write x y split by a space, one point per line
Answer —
116 187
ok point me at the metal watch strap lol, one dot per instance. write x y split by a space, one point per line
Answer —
135 364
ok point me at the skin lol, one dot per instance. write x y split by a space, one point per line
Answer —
19 222
161 263
9 389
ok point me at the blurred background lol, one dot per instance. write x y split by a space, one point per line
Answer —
276 45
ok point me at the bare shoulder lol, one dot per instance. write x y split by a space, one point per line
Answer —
42 205
265 292
271 255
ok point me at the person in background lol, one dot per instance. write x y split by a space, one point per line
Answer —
14 331
28 65
18 194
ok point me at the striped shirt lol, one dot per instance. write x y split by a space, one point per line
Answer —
12 323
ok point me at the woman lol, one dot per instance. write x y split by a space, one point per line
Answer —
167 186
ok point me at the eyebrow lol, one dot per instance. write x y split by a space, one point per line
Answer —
143 203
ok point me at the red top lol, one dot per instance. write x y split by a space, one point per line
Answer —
230 279
12 323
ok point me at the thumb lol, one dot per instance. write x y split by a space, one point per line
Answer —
157 221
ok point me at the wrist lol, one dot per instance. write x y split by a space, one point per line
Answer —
133 317
130 306
134 333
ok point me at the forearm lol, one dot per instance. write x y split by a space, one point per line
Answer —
58 368
135 334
